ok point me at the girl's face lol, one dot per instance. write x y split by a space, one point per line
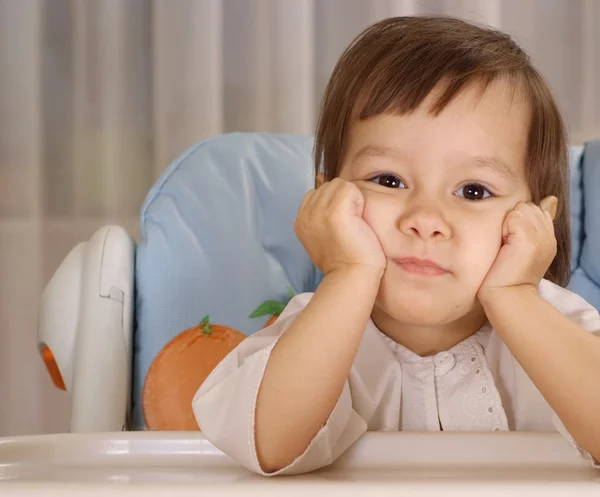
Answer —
437 190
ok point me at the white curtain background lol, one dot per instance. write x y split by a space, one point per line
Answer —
98 96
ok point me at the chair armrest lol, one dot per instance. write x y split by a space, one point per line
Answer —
86 326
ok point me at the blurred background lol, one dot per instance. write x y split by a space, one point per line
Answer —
97 97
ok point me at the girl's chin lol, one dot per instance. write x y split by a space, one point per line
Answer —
424 312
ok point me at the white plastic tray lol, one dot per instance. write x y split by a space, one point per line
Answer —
398 464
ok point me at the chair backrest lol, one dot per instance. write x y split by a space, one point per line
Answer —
585 222
218 239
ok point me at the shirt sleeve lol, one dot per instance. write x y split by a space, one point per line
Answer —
579 310
581 452
225 404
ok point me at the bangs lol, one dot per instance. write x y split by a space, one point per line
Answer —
402 90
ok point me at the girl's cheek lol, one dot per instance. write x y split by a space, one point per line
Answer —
491 238
370 213
381 209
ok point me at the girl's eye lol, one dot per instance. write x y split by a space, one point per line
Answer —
474 191
389 181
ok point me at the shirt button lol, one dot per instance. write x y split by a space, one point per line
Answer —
444 362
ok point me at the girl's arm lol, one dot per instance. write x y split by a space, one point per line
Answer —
266 402
309 365
561 358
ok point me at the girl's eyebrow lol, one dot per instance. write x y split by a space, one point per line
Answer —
379 151
495 164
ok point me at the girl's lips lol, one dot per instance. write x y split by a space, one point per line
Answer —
422 267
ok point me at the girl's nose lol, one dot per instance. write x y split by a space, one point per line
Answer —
424 221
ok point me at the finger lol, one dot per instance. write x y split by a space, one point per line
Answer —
510 224
536 216
547 221
520 222
536 222
543 216
549 205
536 210
532 211
307 200
320 179
332 191
358 201
505 231
525 208
319 197
350 197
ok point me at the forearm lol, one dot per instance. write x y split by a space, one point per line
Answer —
561 358
309 365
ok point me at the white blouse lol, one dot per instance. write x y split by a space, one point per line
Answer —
476 385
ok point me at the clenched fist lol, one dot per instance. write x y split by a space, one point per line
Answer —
331 228
529 246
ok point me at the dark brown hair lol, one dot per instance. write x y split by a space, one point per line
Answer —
393 65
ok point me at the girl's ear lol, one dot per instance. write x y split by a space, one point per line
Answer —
320 179
550 204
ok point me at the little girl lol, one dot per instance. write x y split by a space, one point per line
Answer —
439 220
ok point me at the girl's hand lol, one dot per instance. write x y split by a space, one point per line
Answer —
331 228
529 246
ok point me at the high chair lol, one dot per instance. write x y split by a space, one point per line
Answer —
217 240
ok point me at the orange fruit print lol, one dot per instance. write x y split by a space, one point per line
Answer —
178 371
182 365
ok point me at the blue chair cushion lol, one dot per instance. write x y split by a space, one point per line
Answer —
576 207
218 239
585 215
